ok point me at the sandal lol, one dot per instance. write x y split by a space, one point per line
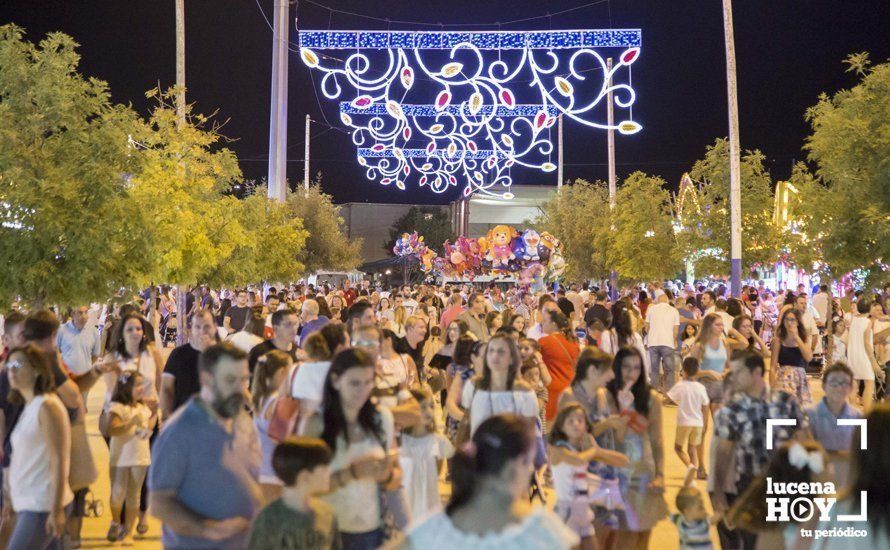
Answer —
142 527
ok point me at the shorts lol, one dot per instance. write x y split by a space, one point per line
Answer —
714 389
689 434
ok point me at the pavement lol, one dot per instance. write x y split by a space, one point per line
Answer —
664 536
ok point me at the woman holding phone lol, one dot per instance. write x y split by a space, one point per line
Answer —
362 436
642 482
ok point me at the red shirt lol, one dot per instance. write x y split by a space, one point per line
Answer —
559 355
350 295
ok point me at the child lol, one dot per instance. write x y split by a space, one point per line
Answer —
839 352
572 449
687 339
692 399
531 373
130 423
297 520
795 462
692 521
422 452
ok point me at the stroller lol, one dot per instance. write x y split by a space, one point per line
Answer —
168 330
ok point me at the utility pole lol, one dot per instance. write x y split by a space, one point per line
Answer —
181 290
306 157
735 207
613 179
278 114
559 172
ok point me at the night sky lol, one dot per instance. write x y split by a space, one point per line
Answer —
787 53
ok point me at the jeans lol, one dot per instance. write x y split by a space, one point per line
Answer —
362 541
30 532
666 356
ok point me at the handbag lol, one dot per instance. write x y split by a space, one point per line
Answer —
463 427
104 422
605 492
83 472
285 418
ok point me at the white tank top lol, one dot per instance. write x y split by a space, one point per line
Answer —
30 479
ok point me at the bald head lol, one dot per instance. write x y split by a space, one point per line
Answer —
309 311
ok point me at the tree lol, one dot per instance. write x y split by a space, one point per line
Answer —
327 247
850 145
704 237
272 250
430 222
181 181
69 230
642 245
580 218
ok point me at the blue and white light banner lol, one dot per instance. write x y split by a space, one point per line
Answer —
483 40
454 110
481 154
446 109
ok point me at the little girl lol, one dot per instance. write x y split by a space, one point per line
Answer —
839 352
687 339
421 454
795 462
130 424
572 449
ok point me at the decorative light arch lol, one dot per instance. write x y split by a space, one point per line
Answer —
475 129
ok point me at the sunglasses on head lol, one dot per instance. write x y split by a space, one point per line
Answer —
14 364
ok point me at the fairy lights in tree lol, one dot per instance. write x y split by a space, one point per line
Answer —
469 127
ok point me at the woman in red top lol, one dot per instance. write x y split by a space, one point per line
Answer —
560 350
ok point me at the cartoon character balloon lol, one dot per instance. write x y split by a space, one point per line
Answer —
499 250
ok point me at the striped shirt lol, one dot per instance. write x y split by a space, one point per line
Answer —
693 534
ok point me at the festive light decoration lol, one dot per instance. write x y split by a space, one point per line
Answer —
475 130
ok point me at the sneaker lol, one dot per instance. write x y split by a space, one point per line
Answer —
114 531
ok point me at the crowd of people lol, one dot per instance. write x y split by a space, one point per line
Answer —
450 416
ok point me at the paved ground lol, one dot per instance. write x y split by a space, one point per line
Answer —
664 536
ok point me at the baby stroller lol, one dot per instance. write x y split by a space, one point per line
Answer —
168 330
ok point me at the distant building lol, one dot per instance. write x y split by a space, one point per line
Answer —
475 216
371 221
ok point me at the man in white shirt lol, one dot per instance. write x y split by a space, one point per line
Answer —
708 302
663 326
820 304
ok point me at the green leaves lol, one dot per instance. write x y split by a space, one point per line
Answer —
431 223
850 146
705 231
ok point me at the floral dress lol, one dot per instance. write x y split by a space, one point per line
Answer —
465 372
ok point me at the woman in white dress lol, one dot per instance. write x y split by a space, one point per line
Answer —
860 352
489 506
498 389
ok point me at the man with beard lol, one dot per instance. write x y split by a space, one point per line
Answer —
204 477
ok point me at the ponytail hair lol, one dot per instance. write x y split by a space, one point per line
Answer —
562 323
496 442
266 368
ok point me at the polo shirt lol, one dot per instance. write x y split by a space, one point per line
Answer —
214 472
78 347
824 426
